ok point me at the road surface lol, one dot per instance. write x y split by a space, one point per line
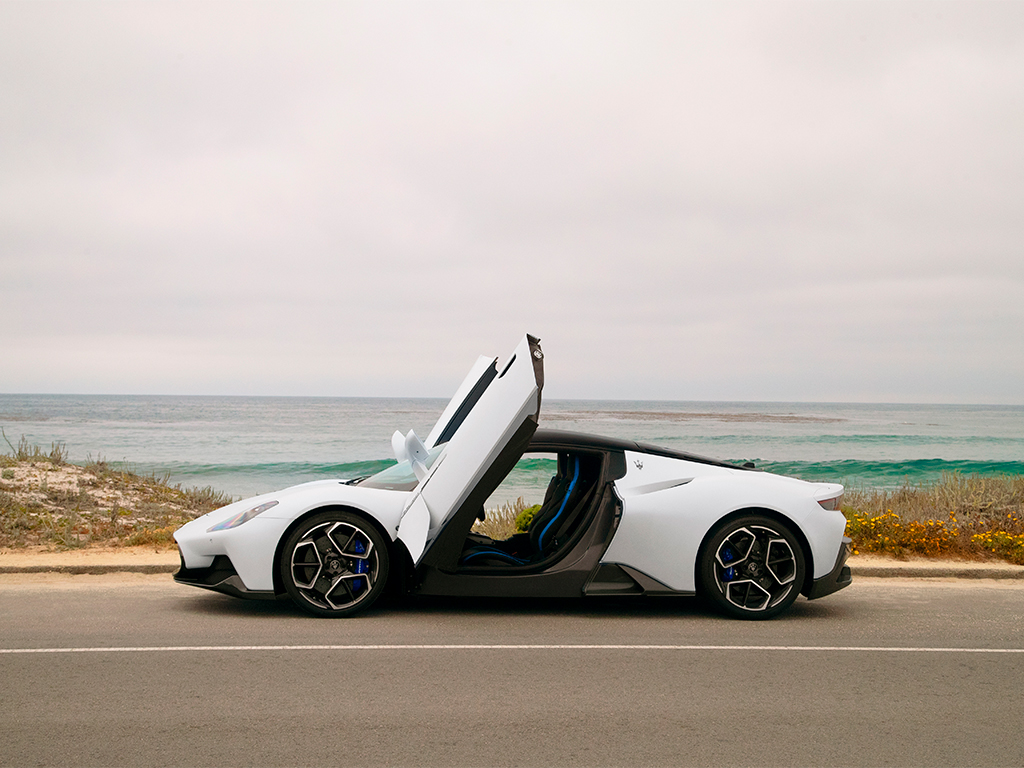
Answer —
136 670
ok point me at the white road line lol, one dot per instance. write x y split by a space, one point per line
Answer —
495 647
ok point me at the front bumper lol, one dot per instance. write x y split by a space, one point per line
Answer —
838 578
221 576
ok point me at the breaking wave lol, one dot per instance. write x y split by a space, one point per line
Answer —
534 473
888 474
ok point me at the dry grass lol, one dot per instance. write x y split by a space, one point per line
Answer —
58 454
44 500
964 497
969 517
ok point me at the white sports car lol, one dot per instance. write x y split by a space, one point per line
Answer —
617 518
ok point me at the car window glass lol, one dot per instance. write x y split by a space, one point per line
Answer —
528 481
524 487
400 477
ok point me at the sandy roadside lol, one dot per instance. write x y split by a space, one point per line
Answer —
92 556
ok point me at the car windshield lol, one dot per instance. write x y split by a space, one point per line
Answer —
400 477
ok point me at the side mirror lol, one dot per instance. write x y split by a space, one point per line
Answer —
417 453
410 448
414 447
398 446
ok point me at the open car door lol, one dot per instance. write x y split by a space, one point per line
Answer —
483 435
466 396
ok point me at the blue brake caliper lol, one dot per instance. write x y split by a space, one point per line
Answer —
728 555
361 565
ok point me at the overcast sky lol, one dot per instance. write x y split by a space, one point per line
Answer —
710 201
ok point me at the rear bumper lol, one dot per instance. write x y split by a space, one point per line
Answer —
222 577
838 578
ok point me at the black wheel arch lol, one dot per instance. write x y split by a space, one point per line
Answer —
769 513
397 554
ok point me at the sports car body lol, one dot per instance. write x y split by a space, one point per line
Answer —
617 518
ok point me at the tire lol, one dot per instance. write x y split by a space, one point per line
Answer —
334 564
752 567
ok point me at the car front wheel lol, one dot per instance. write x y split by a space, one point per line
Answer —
334 564
752 568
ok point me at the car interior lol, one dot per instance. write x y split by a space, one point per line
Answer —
569 494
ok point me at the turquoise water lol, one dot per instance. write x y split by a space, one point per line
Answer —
248 445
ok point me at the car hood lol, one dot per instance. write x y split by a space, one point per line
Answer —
382 504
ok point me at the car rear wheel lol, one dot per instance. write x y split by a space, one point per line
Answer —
753 567
334 564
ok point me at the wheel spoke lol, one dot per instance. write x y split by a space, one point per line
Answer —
338 532
368 578
358 546
780 596
310 568
747 594
354 585
735 548
346 596
780 561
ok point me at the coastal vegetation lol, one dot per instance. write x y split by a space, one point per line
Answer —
959 516
47 501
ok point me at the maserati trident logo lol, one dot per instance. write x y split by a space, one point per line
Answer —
639 464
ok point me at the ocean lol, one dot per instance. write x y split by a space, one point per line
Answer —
249 445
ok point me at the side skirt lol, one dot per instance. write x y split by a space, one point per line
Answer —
614 579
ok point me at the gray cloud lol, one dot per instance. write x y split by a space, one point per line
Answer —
753 201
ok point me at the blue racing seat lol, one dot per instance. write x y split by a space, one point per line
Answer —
564 493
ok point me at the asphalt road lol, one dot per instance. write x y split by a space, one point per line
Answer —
886 673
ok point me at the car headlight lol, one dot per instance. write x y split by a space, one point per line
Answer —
241 517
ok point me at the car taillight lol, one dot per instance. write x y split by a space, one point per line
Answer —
831 504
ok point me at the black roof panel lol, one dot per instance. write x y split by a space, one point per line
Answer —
557 438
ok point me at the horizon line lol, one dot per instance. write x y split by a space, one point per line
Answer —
549 399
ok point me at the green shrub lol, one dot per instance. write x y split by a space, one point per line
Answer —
524 518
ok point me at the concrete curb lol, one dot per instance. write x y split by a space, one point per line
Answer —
89 569
951 571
